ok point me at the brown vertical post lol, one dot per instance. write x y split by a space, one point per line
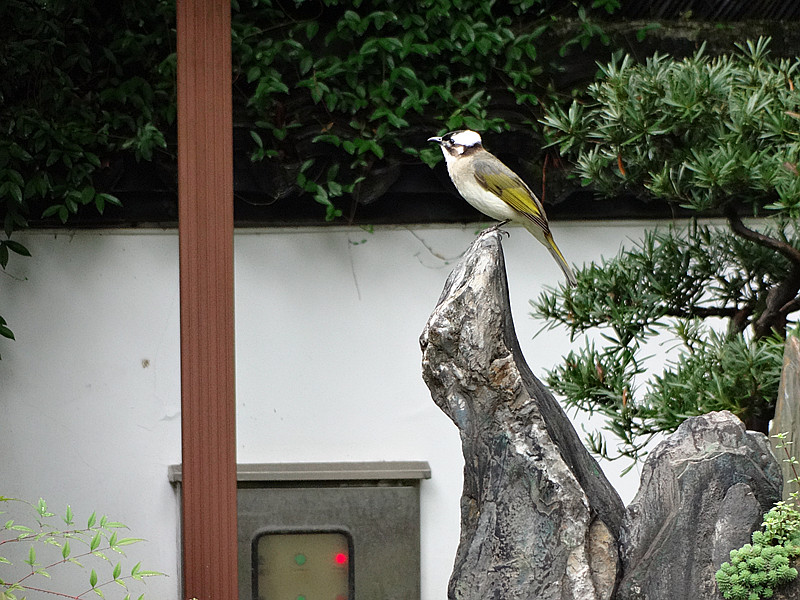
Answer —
205 225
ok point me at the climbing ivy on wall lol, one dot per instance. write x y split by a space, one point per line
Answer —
330 90
337 90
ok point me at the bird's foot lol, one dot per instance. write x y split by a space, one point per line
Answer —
496 227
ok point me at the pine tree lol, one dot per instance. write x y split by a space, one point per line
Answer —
716 136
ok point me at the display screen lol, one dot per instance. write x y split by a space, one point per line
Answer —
303 566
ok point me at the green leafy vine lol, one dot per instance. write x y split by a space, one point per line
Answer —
50 547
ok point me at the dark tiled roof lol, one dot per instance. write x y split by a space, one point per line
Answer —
711 10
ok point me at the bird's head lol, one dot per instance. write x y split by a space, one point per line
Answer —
459 143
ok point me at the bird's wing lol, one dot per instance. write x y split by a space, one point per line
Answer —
498 179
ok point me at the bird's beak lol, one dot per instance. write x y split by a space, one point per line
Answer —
438 140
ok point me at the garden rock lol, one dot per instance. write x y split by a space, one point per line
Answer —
703 491
791 591
539 519
787 413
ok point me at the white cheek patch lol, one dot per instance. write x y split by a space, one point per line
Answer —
466 138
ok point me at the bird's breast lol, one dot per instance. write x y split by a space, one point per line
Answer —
476 195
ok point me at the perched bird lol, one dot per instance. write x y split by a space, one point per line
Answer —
495 190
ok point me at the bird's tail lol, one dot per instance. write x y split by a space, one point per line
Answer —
562 262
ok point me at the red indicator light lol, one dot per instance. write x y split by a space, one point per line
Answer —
340 558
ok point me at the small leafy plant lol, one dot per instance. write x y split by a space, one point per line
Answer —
48 548
756 570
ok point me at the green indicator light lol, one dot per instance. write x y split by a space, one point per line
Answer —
300 559
301 597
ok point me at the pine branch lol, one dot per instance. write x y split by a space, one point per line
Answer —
740 229
780 301
791 306
702 311
782 298
741 320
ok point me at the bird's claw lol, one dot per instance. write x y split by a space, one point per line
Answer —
497 227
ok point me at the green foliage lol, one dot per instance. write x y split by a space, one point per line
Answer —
756 571
703 133
781 525
79 85
782 443
363 82
679 285
50 544
698 131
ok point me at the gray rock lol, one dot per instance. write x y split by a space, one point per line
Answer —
539 520
787 413
792 590
703 491
740 514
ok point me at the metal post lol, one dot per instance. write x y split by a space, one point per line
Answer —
205 217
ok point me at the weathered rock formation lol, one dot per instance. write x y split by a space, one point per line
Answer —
539 520
538 517
703 491
787 413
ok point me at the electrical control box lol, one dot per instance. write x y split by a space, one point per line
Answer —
329 531
303 565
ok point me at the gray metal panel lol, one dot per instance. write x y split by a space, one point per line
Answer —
382 520
325 471
377 503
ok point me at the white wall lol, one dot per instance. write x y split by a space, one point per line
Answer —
328 365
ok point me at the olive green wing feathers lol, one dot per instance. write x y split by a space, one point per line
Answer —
497 178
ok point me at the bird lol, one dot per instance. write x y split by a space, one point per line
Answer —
495 190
